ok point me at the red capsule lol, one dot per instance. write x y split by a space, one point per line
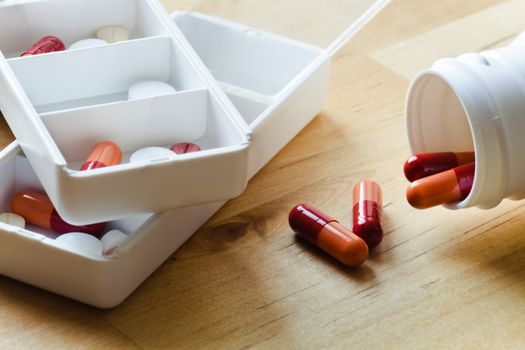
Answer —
46 44
103 154
447 187
367 212
328 234
421 165
185 147
37 209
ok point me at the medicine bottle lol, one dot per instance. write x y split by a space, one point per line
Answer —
475 102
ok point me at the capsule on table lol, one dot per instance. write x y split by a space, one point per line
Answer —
421 165
367 212
104 154
328 234
47 44
37 209
446 187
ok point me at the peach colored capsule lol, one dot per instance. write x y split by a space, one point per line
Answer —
104 154
367 212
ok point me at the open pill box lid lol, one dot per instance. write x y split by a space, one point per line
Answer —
60 104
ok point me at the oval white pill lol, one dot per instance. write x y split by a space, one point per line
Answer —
111 241
150 153
81 242
149 88
87 43
113 34
13 220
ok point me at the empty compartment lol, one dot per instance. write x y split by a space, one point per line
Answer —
24 23
78 78
245 57
153 122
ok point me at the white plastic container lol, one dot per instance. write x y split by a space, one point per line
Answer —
60 104
32 255
475 102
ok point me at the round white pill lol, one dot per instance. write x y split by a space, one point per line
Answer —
150 153
113 34
87 43
149 88
111 242
81 242
13 220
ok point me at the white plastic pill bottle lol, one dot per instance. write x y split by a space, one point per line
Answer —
475 102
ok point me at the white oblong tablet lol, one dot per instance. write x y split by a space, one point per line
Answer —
150 153
81 242
149 88
111 242
113 34
13 219
87 43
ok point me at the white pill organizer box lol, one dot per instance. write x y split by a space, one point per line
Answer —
240 96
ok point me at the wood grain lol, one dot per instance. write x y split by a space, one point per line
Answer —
440 279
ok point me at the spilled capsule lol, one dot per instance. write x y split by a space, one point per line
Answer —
328 234
446 187
421 165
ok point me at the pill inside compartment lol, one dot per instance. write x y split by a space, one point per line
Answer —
17 176
24 23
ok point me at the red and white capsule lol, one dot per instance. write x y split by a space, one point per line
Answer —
367 208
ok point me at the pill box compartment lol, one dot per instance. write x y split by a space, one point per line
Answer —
84 101
24 22
277 84
32 255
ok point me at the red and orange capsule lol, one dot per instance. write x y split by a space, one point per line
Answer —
185 147
367 212
104 154
328 234
446 187
47 44
421 165
37 209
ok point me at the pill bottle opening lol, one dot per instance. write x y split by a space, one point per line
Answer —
438 121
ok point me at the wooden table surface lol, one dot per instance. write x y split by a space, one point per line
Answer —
440 278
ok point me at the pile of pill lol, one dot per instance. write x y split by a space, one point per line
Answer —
439 178
348 246
105 36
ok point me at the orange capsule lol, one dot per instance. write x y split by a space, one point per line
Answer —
367 212
37 209
421 165
104 154
447 187
328 234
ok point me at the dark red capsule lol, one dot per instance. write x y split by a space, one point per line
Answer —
421 165
46 44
